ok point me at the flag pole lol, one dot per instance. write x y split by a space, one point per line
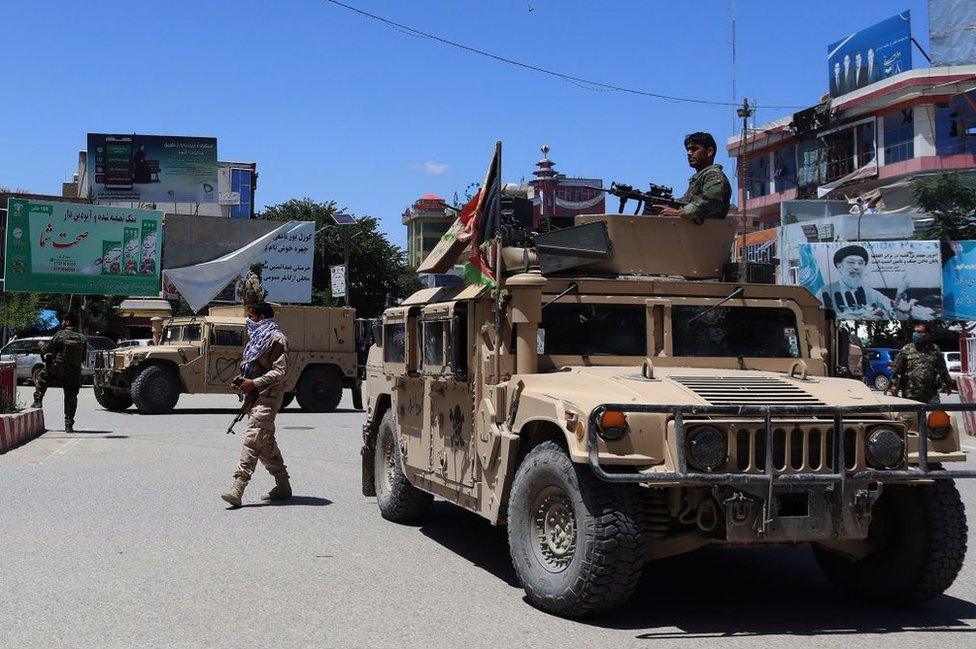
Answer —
499 279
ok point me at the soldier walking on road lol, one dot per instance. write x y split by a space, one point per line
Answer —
920 369
63 357
709 192
251 290
264 367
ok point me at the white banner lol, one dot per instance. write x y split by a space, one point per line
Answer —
875 280
338 280
287 272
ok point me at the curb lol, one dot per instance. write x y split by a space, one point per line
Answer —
20 428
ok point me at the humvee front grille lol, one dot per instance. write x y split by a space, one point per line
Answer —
796 449
747 391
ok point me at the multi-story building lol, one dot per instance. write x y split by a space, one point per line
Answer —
867 143
559 197
427 220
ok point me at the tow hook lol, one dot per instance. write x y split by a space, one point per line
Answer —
865 498
739 507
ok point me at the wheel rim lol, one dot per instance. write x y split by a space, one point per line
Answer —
554 529
387 468
881 383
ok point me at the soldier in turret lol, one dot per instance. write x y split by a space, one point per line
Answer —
251 290
63 355
709 192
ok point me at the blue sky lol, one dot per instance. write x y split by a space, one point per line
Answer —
334 106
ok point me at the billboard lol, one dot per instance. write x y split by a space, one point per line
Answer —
959 280
870 55
287 260
874 280
83 249
152 168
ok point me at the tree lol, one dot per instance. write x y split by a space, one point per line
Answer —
378 271
19 311
950 197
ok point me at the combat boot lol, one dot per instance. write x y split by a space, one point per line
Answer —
37 403
69 426
281 490
236 492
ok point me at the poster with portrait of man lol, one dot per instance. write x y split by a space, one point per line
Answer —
874 280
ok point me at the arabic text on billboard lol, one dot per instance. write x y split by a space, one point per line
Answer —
870 55
287 264
84 249
875 280
152 168
959 280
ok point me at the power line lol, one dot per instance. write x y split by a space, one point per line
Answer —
595 85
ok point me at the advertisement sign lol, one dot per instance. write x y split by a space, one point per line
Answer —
287 260
152 168
338 280
870 55
84 249
874 280
959 280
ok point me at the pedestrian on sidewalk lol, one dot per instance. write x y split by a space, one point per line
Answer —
264 367
63 356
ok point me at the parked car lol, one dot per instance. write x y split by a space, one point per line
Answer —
26 352
878 361
134 342
953 364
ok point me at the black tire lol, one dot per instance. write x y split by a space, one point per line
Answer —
155 390
320 389
287 399
920 534
882 383
398 500
587 556
110 400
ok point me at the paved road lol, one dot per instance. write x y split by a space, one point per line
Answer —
116 537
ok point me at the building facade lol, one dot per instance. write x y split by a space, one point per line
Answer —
868 143
427 220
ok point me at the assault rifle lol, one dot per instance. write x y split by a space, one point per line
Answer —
246 404
657 195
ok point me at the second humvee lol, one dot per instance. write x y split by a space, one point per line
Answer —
201 354
631 405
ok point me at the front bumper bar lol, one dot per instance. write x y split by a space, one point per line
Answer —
768 477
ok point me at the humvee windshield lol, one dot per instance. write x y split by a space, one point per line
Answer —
621 330
594 330
181 333
758 332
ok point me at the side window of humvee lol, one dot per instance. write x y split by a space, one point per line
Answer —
395 343
191 333
228 337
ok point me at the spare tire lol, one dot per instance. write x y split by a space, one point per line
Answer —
320 389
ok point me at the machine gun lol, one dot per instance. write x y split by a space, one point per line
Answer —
657 195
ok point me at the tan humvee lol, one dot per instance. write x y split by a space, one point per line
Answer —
620 412
201 354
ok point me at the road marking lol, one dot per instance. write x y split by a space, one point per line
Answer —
61 450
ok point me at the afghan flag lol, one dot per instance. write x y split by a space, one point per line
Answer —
480 219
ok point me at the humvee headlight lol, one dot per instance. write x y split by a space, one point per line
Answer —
939 425
613 425
886 448
706 448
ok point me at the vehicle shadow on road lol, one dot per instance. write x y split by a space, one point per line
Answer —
750 592
294 501
471 537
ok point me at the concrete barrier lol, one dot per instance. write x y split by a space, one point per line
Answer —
19 428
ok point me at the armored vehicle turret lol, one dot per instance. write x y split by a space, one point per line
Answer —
615 400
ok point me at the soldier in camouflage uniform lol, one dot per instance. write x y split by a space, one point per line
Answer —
709 192
64 355
920 369
251 290
264 367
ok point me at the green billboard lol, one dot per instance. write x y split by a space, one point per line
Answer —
82 249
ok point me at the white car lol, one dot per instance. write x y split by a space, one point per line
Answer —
134 342
26 352
953 364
